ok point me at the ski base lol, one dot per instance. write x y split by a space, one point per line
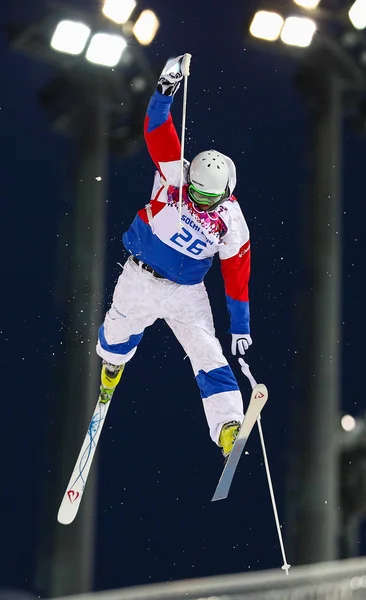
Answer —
74 492
257 401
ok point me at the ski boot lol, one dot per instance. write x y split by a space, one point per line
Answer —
110 377
228 436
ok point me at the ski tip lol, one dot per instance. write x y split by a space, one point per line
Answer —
260 387
260 394
70 505
65 519
67 514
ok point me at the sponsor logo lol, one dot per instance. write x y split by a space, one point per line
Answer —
190 222
196 227
241 254
73 495
259 395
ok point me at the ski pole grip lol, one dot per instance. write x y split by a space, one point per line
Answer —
246 371
186 62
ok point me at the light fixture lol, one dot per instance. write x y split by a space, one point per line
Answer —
348 423
106 49
266 25
70 37
298 31
119 11
308 4
146 27
357 14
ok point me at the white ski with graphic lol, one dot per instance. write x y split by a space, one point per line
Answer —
74 491
257 401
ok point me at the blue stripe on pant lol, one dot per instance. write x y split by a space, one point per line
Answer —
216 381
221 397
123 347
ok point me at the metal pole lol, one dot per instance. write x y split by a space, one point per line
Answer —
314 502
66 557
350 538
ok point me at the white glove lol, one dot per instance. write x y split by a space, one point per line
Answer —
172 74
240 342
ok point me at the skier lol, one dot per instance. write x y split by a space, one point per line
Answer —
163 276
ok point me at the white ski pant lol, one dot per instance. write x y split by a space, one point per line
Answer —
139 299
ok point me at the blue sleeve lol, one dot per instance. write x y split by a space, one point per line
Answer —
158 110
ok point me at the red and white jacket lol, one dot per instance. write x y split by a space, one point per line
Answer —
186 256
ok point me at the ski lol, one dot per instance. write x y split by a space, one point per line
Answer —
74 492
257 401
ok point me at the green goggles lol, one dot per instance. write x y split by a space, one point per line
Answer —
204 198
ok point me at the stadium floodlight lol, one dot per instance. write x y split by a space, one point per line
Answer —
309 4
70 37
146 27
106 49
266 25
298 31
357 14
119 11
348 423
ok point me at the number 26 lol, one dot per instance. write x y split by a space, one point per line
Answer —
195 247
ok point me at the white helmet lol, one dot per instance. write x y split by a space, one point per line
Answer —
209 179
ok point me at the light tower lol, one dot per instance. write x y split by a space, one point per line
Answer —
329 44
98 97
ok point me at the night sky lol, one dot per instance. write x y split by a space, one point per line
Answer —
158 466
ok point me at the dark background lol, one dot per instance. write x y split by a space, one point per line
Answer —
158 467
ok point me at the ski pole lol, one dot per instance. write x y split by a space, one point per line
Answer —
186 61
245 369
